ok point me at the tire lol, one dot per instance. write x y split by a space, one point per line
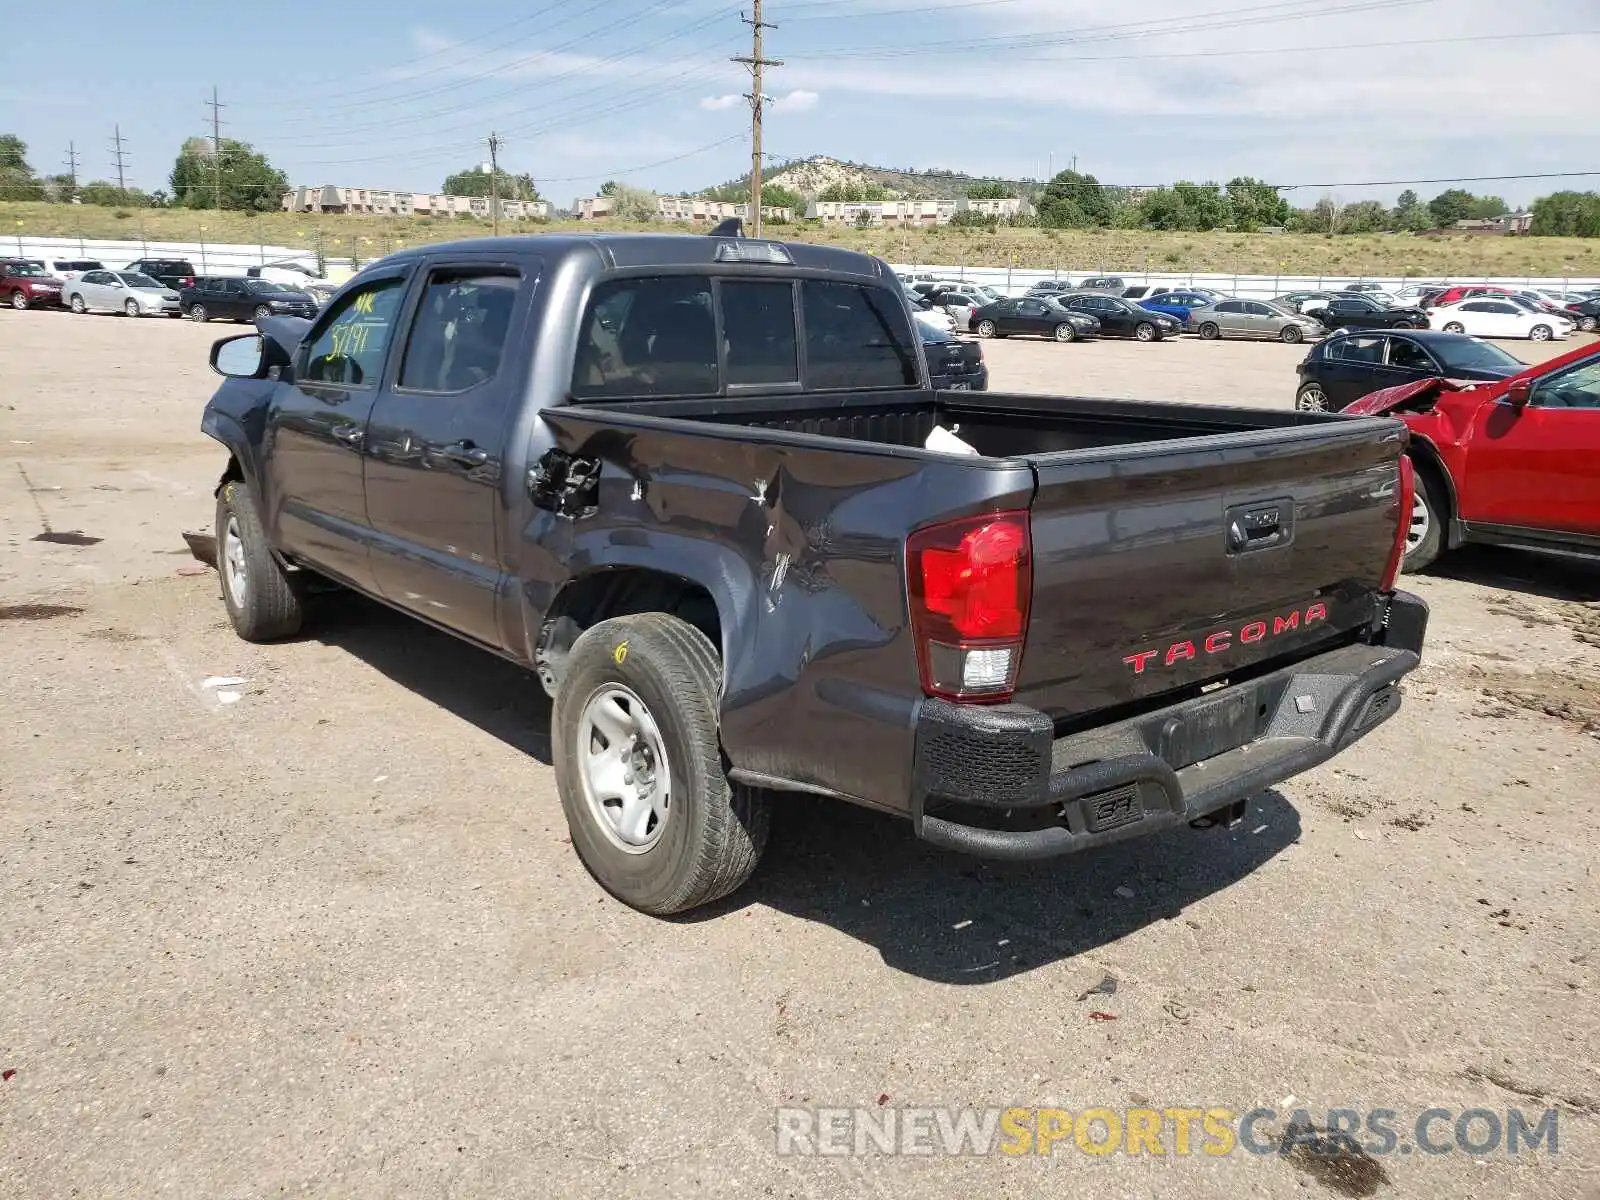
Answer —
1588 324
131 308
1454 327
1540 333
1290 335
664 675
1210 331
19 300
262 599
1146 332
198 314
986 329
1402 325
1311 398
1065 333
76 304
1425 539
261 313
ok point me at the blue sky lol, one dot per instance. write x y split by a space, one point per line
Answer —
400 94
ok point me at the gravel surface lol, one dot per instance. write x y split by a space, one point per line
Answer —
329 938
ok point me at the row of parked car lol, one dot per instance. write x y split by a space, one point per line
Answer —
162 287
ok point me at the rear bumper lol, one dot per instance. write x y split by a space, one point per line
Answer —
995 782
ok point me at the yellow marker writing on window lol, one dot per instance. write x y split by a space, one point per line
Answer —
363 302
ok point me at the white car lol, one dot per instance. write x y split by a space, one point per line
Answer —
71 268
1412 292
1486 317
128 292
935 318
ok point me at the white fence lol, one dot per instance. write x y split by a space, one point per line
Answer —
232 259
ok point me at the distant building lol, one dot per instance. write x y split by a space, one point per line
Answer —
590 208
1511 223
373 201
694 209
896 213
1004 209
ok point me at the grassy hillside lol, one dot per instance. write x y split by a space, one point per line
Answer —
1458 256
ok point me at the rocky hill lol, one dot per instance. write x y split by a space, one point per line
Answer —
809 176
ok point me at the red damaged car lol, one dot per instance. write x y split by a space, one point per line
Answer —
1514 462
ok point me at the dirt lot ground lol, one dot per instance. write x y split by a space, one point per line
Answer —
330 939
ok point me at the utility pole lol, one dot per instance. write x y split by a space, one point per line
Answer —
494 180
120 160
72 167
216 143
757 100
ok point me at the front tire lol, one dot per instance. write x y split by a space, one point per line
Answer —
986 329
1588 324
1540 333
197 314
77 305
1290 335
1425 533
1146 332
261 313
131 308
1065 333
1402 325
1311 398
262 598
639 766
19 300
1210 331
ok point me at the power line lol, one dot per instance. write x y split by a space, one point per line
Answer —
1318 49
757 102
120 161
72 165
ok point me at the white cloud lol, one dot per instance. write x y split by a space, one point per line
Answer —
718 103
798 100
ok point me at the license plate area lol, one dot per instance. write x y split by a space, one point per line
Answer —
1212 728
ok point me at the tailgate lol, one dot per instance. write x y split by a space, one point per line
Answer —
1163 565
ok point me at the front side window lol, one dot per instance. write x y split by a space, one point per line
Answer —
1577 387
653 337
350 348
138 280
1405 353
856 337
458 336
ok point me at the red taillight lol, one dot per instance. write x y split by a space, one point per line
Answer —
969 582
188 281
1405 498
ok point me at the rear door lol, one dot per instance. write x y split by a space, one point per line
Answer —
1162 565
1355 367
436 442
317 427
1230 318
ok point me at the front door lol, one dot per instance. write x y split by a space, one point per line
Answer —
96 290
317 426
1539 467
435 447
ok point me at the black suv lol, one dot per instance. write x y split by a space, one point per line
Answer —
176 273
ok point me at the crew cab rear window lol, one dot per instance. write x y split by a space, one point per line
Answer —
856 337
648 337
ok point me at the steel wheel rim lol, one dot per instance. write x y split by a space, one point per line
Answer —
235 575
1421 521
1313 400
18 300
624 772
1539 333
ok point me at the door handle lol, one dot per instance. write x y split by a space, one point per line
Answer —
350 435
464 453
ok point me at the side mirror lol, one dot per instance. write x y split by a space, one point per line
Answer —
1517 394
242 357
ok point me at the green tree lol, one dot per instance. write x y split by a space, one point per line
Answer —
1484 207
631 203
1450 206
17 180
1074 201
1162 208
854 193
475 182
106 194
1567 214
1254 204
1364 216
991 189
246 180
1410 215
1205 204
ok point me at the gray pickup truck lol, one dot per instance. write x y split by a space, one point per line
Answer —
687 482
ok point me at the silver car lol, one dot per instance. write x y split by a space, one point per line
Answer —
129 292
1253 319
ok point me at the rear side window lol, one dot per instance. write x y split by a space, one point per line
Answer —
648 337
856 337
758 327
458 337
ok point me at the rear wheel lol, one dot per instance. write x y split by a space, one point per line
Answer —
197 314
77 305
1539 333
986 329
1425 532
1290 335
1066 333
262 598
1402 325
639 766
1145 332
1588 324
261 313
1454 327
19 299
1210 331
1311 398
131 308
